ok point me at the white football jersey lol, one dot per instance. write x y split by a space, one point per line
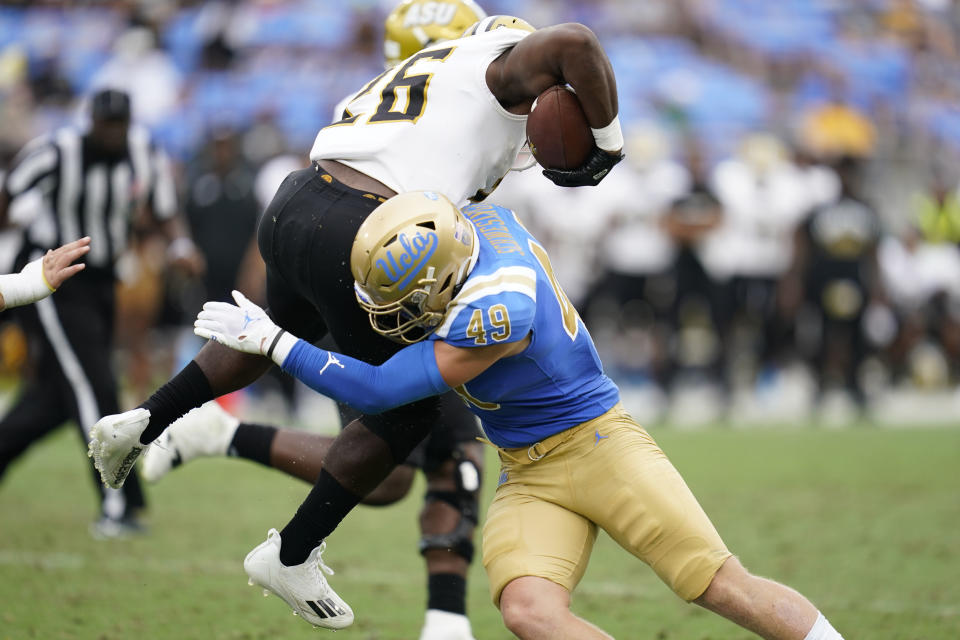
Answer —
431 122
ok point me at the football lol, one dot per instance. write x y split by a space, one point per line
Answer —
557 130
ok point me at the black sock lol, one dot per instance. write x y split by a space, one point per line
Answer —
326 505
253 442
185 391
447 592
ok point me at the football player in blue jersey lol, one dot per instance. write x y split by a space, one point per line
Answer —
473 295
451 118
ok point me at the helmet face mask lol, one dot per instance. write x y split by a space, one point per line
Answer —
408 259
415 24
405 320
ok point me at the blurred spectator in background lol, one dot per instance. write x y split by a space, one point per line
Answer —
263 141
835 258
921 273
222 210
15 107
94 181
628 307
698 314
765 197
145 72
936 211
834 127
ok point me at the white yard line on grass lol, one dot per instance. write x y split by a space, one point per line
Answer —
62 561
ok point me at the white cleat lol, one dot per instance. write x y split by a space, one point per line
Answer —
205 431
302 586
115 444
444 625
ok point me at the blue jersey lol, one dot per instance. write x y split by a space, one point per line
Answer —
557 382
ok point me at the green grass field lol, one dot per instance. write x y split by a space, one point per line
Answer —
865 522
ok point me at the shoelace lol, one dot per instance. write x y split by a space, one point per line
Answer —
319 552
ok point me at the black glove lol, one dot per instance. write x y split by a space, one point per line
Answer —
589 174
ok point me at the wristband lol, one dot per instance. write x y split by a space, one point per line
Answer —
273 344
610 137
25 287
281 346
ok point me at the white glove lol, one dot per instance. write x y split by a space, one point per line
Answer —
245 327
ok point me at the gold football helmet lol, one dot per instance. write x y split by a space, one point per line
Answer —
414 24
409 257
498 22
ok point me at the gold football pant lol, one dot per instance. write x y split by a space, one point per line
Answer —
606 473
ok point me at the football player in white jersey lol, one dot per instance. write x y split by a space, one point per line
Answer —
450 118
450 456
475 297
43 276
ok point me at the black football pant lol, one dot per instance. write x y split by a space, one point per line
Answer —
71 379
305 236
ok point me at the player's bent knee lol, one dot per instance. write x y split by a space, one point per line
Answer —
521 620
521 615
729 587
530 604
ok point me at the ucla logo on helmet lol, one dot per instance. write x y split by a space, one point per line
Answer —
403 264
425 13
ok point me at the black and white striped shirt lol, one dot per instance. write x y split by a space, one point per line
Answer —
86 194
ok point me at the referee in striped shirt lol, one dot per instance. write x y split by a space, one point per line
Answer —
94 182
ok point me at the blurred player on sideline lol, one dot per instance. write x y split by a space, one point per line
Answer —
573 461
43 276
450 118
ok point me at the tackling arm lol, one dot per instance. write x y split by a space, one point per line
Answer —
418 371
410 375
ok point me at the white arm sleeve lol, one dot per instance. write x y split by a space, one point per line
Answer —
25 287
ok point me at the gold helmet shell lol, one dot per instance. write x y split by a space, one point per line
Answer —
414 24
498 22
409 257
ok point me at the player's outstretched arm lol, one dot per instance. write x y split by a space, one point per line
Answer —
43 276
418 371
